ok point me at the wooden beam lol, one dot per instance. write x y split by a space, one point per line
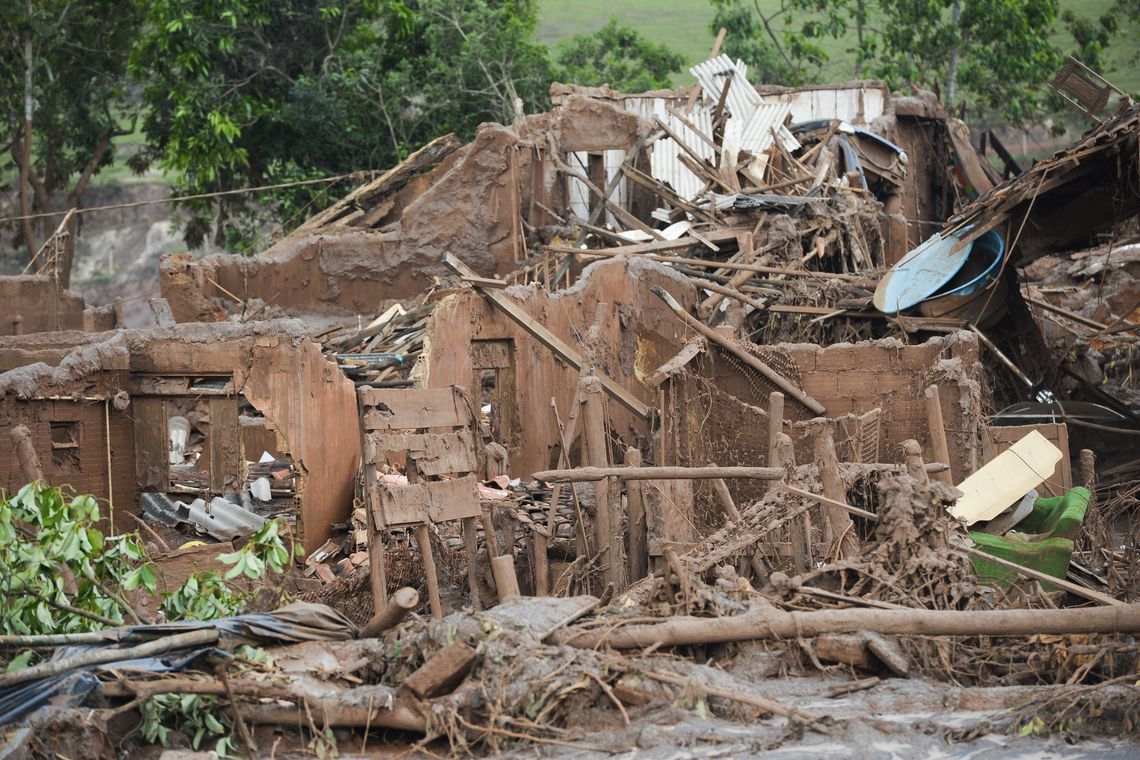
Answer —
779 380
705 264
770 622
547 338
938 434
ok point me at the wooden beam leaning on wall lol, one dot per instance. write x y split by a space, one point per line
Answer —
547 338
772 375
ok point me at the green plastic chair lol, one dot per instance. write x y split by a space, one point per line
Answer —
1043 541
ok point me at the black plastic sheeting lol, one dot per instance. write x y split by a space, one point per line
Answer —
294 623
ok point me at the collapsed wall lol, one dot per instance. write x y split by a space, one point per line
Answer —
387 239
36 303
610 315
98 412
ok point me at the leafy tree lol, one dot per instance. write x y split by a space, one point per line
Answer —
618 56
783 42
223 82
1093 35
993 55
63 100
253 92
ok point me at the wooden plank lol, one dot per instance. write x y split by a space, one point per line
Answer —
586 474
151 444
225 446
434 501
688 352
434 453
413 408
547 338
937 433
367 194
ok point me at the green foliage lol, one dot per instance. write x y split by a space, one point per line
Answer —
63 70
252 92
48 543
993 55
52 557
618 56
195 715
786 44
1092 34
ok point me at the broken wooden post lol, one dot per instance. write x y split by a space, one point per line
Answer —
775 377
800 527
443 671
607 514
775 426
915 467
26 453
1087 474
938 434
725 499
506 581
635 500
540 560
403 601
838 527
376 569
423 541
471 549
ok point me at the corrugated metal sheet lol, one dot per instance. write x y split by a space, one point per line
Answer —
857 105
742 100
755 134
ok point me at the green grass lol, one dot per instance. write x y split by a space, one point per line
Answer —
683 25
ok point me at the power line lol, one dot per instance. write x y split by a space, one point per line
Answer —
199 196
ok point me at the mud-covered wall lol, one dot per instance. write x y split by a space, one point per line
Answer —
35 304
313 405
71 440
636 334
476 205
701 426
281 373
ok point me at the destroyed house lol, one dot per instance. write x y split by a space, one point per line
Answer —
100 411
694 410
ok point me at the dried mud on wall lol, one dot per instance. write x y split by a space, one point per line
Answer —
636 334
473 204
36 304
725 420
313 405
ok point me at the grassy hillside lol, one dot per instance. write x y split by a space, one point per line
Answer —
684 26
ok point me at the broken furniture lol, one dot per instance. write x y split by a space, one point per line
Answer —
1042 541
433 433
1006 478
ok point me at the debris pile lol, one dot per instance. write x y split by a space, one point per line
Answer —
727 416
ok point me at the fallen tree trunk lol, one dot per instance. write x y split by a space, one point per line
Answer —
348 708
583 474
105 655
771 623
